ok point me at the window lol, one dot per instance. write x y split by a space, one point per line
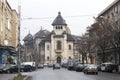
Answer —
47 47
59 45
8 23
48 58
69 47
61 27
56 27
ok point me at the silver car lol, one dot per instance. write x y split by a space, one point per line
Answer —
56 66
91 68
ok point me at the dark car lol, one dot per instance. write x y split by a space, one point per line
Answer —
79 67
91 68
13 69
26 68
6 68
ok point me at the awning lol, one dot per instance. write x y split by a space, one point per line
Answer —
10 49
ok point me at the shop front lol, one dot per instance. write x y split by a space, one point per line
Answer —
6 54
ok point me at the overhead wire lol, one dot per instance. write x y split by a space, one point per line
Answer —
38 18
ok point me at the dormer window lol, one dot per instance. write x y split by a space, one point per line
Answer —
56 27
61 27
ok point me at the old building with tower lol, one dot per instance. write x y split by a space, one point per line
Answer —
55 46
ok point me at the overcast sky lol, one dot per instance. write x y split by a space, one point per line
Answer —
77 13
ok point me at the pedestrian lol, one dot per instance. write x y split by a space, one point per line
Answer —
53 66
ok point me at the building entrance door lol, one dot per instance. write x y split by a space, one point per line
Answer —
58 59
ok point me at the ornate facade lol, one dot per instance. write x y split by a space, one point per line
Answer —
55 46
59 44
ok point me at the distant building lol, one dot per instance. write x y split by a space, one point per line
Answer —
55 46
59 44
28 48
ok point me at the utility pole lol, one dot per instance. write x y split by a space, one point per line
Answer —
19 24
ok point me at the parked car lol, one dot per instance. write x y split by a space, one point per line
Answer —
91 68
79 67
56 66
70 64
5 68
109 67
45 65
14 68
33 64
64 65
26 68
50 65
40 66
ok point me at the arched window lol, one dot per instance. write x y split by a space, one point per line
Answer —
48 58
59 45
56 27
47 47
61 27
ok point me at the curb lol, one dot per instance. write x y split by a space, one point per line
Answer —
27 78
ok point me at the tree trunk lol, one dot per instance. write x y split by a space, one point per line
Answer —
103 57
82 59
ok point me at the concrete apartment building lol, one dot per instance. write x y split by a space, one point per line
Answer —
8 26
108 21
112 15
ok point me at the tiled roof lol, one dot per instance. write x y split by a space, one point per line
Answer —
48 38
40 34
70 37
59 20
76 38
58 36
28 37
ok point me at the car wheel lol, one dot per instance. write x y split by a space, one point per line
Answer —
96 73
22 70
84 72
8 71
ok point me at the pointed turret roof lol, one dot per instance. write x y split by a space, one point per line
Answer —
59 20
41 34
28 37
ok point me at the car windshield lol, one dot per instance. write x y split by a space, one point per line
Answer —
92 65
2 66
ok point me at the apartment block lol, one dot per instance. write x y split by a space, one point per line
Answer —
8 25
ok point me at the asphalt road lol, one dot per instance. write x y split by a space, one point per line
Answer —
63 74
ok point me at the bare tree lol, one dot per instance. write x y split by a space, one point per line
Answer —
102 37
83 47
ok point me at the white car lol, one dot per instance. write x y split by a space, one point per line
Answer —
56 66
